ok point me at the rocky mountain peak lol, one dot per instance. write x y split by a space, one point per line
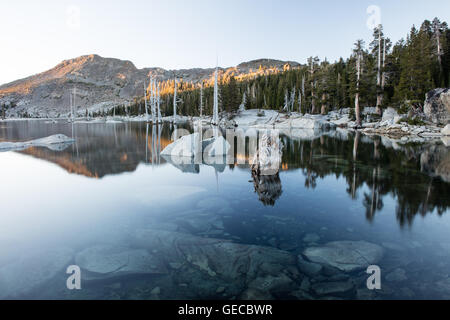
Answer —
266 63
105 82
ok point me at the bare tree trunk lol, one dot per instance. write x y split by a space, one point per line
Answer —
358 75
201 100
300 102
357 110
313 105
355 145
376 152
301 152
379 102
379 93
145 100
439 52
353 189
302 93
373 198
355 154
323 110
215 120
175 101
383 76
425 205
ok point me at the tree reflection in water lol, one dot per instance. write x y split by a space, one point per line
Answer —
416 176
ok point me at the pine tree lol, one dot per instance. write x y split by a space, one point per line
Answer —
438 29
312 63
416 64
388 75
379 47
324 85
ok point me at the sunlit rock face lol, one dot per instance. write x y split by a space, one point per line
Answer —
437 106
102 83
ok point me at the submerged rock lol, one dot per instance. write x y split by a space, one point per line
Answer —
365 294
235 266
305 285
397 275
213 203
443 286
325 288
309 268
199 221
255 294
311 237
347 256
105 261
301 295
272 283
32 271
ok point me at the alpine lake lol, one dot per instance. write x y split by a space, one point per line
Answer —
139 226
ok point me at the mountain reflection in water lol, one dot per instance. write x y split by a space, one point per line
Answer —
417 176
145 226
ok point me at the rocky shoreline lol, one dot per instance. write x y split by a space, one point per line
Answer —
391 125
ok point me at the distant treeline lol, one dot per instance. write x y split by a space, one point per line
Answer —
397 75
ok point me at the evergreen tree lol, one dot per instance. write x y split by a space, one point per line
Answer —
386 75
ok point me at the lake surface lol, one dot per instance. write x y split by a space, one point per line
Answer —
141 227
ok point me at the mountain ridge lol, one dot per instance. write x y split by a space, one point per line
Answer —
105 82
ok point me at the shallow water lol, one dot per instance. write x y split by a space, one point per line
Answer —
217 232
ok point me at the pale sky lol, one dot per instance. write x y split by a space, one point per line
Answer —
172 34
